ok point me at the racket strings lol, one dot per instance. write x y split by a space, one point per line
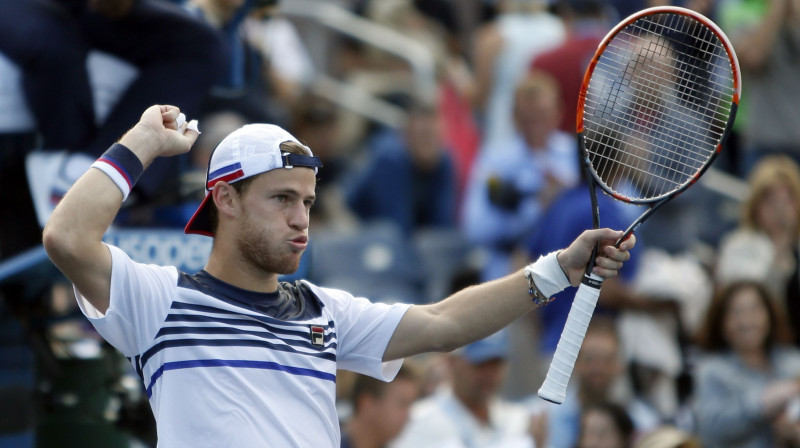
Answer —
685 74
657 105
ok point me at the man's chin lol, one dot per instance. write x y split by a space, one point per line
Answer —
289 267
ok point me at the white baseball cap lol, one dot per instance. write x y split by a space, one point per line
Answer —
250 150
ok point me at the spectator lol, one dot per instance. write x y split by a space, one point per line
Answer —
766 36
605 425
409 179
765 246
471 413
316 124
587 21
748 375
177 58
596 377
515 180
288 65
503 50
380 409
244 86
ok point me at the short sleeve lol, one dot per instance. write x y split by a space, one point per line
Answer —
140 297
363 331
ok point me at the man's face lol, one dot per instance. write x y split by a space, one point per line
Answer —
389 412
477 383
599 431
271 226
598 364
536 115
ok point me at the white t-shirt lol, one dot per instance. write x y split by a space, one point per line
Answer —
225 367
442 421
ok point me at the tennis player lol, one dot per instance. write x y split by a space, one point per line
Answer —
230 356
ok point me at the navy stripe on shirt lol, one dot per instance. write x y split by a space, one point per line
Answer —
172 343
167 331
268 365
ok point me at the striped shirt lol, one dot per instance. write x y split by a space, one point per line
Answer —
223 366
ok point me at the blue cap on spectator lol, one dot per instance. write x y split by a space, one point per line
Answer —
495 346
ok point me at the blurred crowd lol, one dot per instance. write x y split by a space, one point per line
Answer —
446 129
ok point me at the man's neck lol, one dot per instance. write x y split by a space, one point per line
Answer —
234 271
479 410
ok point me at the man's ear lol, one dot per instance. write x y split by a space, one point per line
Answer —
225 199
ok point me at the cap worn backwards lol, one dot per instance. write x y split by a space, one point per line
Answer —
250 150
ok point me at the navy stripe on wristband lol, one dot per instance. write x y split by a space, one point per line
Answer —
122 166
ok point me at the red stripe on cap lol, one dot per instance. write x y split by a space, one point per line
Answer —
227 178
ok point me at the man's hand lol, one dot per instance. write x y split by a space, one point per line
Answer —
573 260
157 134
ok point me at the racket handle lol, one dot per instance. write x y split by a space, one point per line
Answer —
554 388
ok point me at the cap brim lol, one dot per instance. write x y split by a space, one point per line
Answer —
200 222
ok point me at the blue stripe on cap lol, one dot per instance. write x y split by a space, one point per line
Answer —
224 170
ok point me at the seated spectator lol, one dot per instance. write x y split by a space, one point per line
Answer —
316 124
514 181
587 22
748 375
409 178
503 50
605 425
766 245
177 58
380 409
244 87
471 413
596 377
766 38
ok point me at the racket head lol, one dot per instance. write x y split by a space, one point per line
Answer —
657 102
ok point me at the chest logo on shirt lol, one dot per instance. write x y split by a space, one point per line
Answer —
317 336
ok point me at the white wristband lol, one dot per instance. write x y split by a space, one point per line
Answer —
115 176
548 275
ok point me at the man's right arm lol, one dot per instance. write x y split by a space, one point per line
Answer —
74 233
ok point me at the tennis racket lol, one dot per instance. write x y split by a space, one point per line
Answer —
657 102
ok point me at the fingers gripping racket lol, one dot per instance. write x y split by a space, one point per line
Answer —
657 102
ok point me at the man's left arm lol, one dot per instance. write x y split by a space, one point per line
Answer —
478 311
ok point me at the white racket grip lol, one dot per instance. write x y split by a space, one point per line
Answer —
554 388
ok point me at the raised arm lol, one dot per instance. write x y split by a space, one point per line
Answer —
73 234
481 310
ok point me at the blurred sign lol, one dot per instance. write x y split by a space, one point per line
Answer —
164 247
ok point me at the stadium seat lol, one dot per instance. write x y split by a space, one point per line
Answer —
374 261
441 253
